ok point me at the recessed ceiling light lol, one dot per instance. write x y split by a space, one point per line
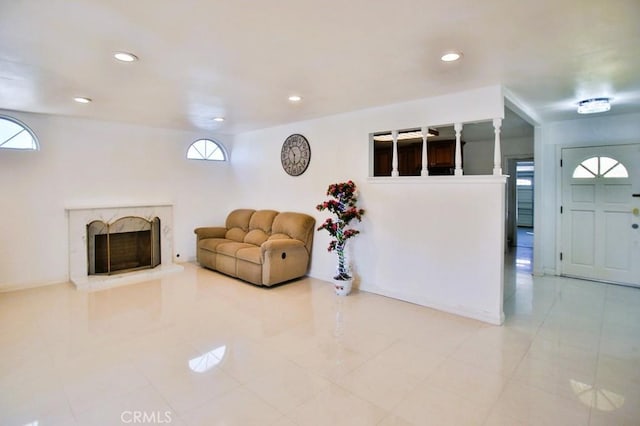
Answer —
125 57
451 56
295 98
592 106
219 119
81 100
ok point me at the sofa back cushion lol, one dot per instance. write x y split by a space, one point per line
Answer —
256 237
238 224
296 225
260 226
262 219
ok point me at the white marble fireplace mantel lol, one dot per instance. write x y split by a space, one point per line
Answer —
80 216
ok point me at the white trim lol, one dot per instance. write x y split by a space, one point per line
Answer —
118 206
515 104
538 178
32 284
461 180
558 247
483 316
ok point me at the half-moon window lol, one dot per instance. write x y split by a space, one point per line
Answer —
605 167
206 149
16 135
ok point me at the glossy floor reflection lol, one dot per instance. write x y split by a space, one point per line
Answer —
198 348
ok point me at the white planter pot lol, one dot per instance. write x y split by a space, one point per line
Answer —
343 287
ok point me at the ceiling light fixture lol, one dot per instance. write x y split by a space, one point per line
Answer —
295 98
451 56
592 106
219 119
81 100
125 57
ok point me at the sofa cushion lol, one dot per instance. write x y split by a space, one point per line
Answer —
231 248
236 234
238 224
296 225
210 244
262 219
256 237
279 237
251 254
239 219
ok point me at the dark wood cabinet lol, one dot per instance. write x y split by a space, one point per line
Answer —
441 157
382 159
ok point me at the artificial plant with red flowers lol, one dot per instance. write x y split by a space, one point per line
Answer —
343 206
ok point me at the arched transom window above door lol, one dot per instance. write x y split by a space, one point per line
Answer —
605 167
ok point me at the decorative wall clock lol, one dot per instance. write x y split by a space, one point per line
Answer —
295 154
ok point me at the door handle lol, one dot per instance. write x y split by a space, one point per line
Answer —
635 195
634 226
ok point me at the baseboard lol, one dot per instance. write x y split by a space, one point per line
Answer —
538 272
487 317
5 288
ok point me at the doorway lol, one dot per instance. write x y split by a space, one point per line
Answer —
600 213
523 237
520 209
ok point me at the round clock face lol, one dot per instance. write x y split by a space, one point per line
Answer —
295 155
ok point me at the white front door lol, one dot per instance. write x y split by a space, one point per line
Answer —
601 213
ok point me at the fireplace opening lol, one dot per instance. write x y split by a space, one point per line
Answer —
128 244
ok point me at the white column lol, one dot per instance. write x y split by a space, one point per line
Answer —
458 128
425 160
497 155
394 162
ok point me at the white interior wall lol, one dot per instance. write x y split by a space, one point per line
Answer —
478 155
95 163
439 244
478 160
418 241
550 138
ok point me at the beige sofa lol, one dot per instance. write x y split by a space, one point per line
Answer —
264 247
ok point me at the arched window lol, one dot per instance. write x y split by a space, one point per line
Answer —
206 149
605 167
16 135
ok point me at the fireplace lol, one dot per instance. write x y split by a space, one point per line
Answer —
128 244
92 228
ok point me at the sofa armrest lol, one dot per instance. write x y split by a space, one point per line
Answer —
210 232
283 244
283 260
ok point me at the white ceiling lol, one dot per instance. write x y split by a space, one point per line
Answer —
241 59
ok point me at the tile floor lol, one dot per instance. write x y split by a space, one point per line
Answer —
198 348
